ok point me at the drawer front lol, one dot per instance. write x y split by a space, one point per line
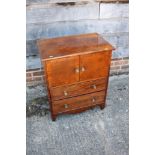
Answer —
78 89
69 104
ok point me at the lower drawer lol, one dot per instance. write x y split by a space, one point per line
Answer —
78 102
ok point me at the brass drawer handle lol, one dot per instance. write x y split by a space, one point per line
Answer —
93 100
77 70
65 93
83 69
66 106
94 86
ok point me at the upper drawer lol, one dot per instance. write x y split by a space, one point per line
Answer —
78 89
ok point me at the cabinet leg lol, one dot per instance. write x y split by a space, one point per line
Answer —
53 117
102 106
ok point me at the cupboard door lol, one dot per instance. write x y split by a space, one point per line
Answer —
93 66
62 71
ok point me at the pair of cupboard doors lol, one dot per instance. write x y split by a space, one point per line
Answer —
74 69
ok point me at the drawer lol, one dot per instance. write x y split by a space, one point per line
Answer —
70 104
78 89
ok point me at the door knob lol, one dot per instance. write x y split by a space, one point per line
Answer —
77 70
83 69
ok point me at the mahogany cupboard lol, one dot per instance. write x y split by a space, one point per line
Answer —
76 72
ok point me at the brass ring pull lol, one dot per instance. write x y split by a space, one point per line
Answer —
66 106
93 100
94 86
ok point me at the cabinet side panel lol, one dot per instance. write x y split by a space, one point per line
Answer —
109 60
47 86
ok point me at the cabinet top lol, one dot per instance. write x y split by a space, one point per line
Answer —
72 45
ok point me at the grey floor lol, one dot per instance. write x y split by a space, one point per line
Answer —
94 132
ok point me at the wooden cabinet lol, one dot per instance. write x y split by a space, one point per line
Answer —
76 71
